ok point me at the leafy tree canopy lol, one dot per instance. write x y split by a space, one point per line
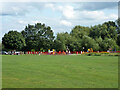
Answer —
13 40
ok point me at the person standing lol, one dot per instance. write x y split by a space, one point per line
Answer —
39 52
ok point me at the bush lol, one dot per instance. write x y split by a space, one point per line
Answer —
33 50
114 54
102 53
90 54
97 54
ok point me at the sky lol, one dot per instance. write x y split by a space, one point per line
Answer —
60 16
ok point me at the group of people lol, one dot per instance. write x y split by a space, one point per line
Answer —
53 52
50 52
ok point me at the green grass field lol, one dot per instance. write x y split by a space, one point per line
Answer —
29 71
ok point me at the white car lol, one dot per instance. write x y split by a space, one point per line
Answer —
17 53
4 52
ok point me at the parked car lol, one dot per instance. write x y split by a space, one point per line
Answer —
4 53
17 53
14 53
10 53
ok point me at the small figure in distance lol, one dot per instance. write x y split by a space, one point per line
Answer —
39 52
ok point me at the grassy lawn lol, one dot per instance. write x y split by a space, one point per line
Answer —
29 71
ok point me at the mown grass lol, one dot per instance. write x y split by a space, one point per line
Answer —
31 71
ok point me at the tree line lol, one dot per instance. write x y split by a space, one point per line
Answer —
40 37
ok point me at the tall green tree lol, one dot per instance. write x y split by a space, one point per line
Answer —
38 36
109 43
80 31
113 33
118 31
13 40
88 42
66 41
118 40
118 25
0 46
95 31
100 43
60 42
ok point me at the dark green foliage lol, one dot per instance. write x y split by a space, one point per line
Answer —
118 25
109 43
80 31
99 37
13 40
38 36
0 46
33 50
118 40
88 42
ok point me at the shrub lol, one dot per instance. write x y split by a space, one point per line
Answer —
33 50
97 54
114 54
102 53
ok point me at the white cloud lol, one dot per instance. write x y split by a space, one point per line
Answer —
67 11
112 16
91 14
15 8
66 23
94 16
67 16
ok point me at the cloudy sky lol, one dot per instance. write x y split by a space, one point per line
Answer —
61 17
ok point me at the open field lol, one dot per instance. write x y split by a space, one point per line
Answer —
31 71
